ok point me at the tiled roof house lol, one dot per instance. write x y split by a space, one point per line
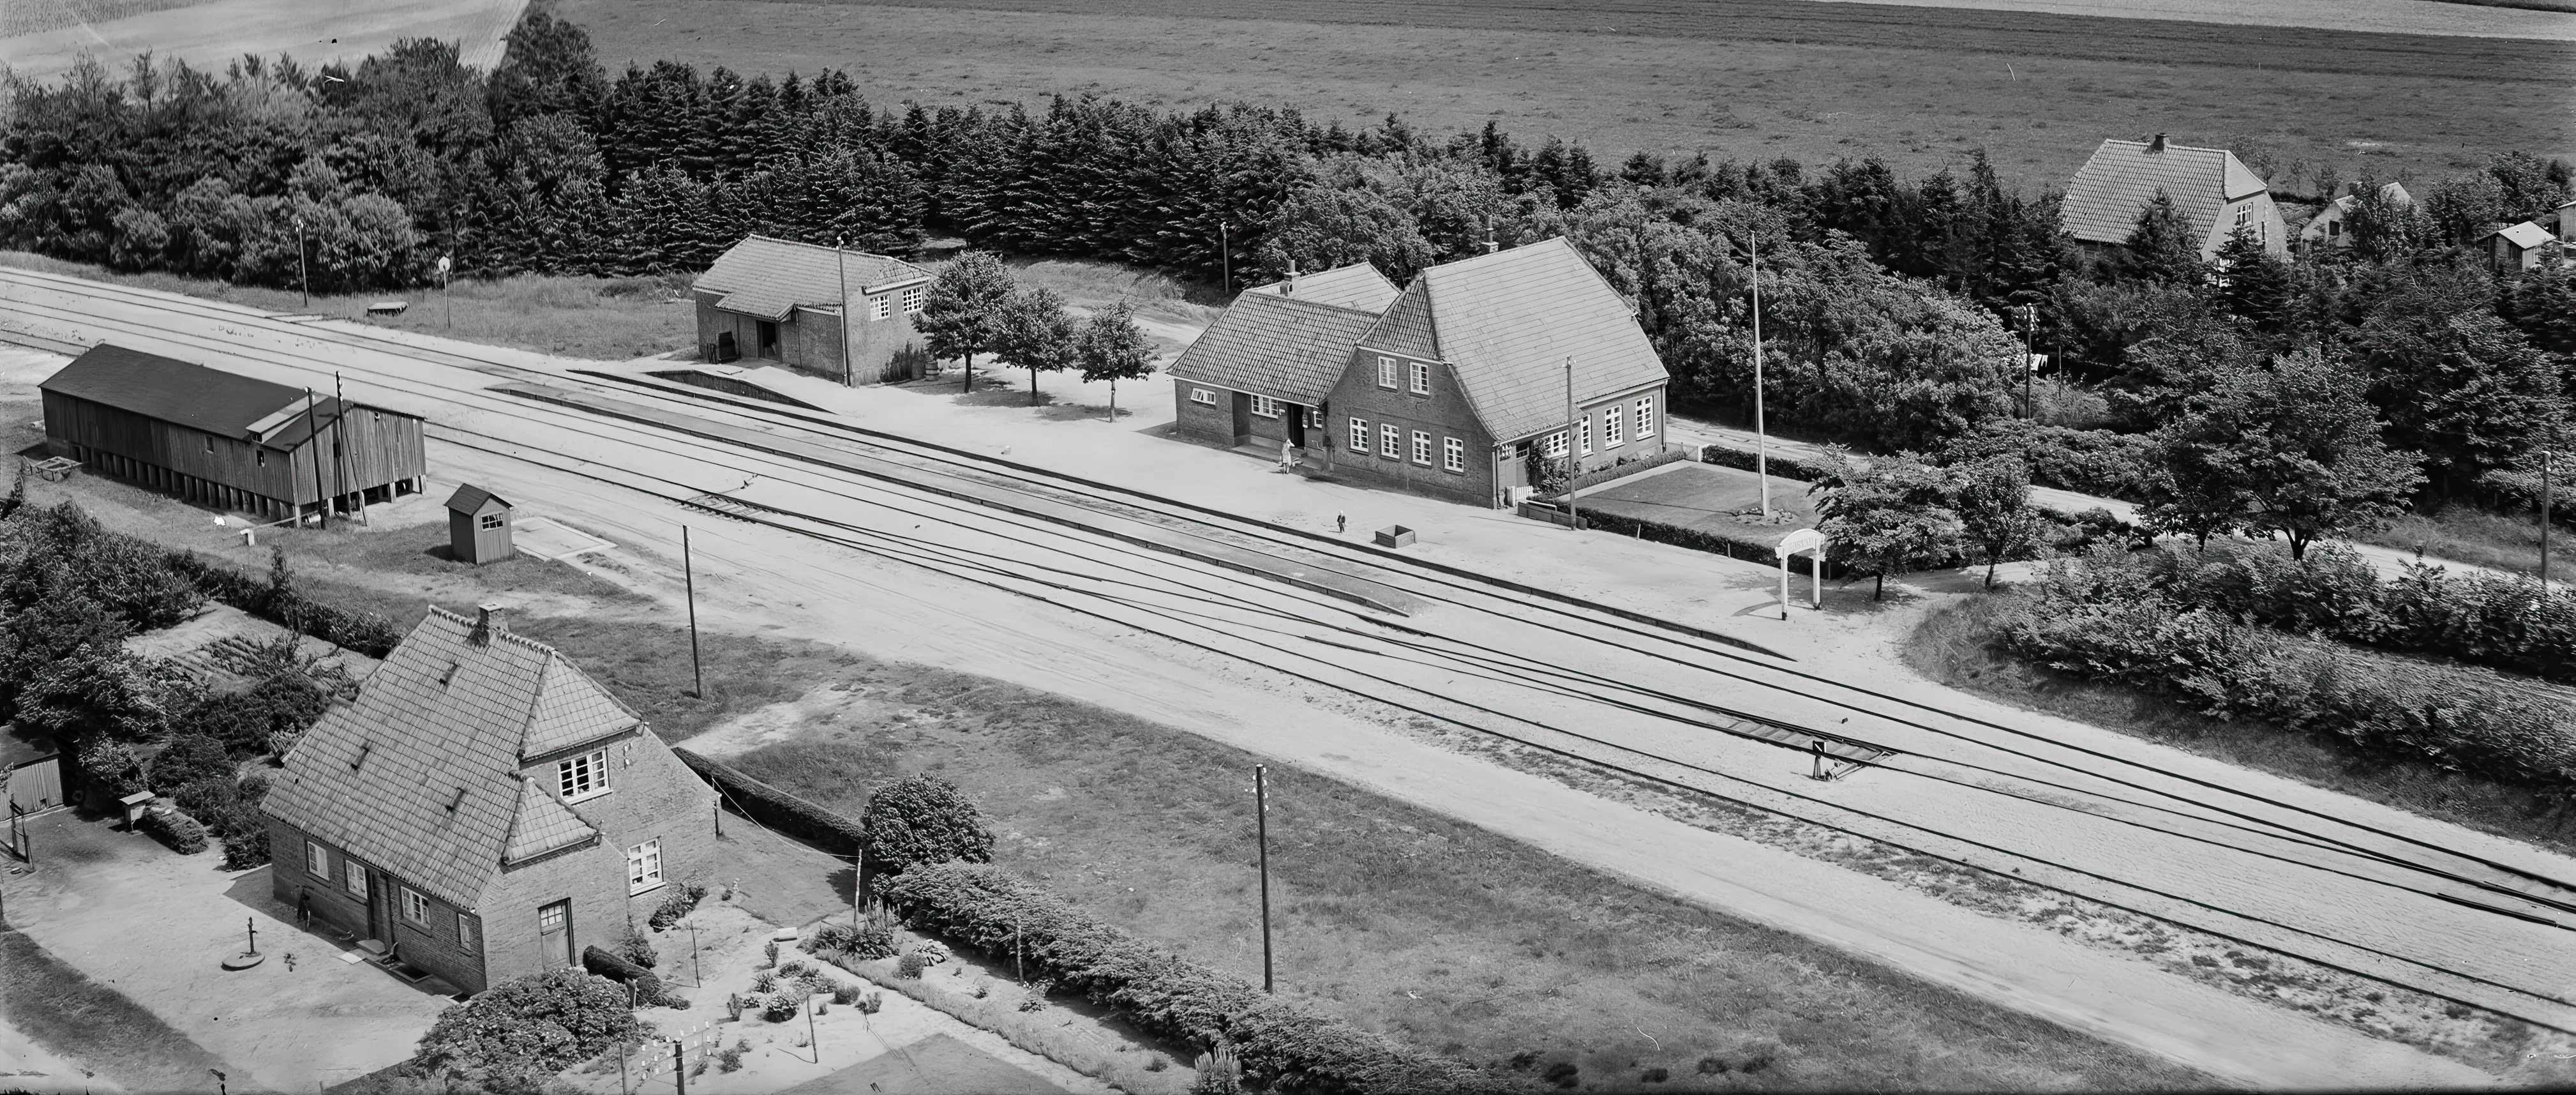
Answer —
775 300
483 810
1442 388
2215 193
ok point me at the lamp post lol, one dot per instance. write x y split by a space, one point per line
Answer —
445 265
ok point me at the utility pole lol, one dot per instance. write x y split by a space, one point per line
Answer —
1225 256
849 366
301 273
689 576
340 394
1573 458
2029 365
313 435
339 463
2545 502
1761 436
1261 827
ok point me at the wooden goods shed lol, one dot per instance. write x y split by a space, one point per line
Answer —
227 440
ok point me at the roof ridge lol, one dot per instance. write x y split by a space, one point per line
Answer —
837 250
1305 303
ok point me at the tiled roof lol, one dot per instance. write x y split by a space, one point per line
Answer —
2525 235
1407 327
1286 347
768 278
1357 285
420 775
2103 200
1507 321
470 498
174 391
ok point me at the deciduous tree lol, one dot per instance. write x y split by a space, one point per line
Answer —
963 312
1992 499
1890 516
1037 334
1113 348
2300 444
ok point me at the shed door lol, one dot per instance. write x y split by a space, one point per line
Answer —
37 786
554 934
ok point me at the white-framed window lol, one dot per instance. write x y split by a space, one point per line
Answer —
1453 454
582 776
1554 446
316 861
1359 435
1203 395
2244 216
415 907
464 931
1390 442
912 300
1386 372
1583 434
491 521
643 867
1421 448
1646 417
1614 427
354 877
1421 378
1265 407
884 307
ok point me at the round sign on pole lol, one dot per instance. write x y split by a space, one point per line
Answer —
443 264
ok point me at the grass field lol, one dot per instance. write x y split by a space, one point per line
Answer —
2471 535
1952 647
1736 78
606 319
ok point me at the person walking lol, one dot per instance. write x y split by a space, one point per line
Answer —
1341 524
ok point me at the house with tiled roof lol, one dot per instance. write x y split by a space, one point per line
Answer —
1445 388
847 315
483 810
2215 192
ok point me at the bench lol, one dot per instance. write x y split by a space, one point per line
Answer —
388 307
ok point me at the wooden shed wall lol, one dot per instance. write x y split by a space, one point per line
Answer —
377 448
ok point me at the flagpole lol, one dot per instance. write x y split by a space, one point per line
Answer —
1761 437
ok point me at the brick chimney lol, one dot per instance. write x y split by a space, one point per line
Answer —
487 621
2157 145
1288 288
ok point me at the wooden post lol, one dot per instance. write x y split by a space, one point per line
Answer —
1761 436
313 436
679 1067
697 666
1573 456
1261 827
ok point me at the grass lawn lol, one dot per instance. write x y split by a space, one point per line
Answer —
1437 932
1705 498
1953 647
2471 535
1743 79
607 319
95 1025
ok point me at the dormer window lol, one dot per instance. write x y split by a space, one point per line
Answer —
582 776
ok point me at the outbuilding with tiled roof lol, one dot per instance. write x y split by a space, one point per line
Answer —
775 300
1257 374
483 810
2216 194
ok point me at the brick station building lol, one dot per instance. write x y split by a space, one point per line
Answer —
483 810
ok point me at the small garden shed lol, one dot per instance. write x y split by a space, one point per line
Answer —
478 526
33 769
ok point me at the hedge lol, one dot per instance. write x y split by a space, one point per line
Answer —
778 809
364 632
1286 1046
615 967
1785 467
2090 624
182 833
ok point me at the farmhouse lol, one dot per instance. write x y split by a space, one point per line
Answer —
1448 389
483 810
2515 247
226 440
2216 194
2327 230
799 305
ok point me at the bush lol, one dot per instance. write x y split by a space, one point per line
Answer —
866 942
1283 1045
911 965
2098 462
182 833
634 947
520 1032
677 905
246 849
778 809
648 988
783 1004
190 758
250 721
229 809
923 820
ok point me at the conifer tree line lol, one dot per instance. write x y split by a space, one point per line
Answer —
1889 304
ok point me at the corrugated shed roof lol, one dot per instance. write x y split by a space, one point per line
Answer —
1506 322
174 391
1357 285
2525 235
768 278
1287 347
470 498
1407 327
2103 200
420 775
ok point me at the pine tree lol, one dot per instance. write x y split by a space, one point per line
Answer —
2250 283
2161 247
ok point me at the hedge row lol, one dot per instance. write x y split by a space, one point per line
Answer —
182 833
2096 462
1698 540
2487 619
1785 467
647 987
363 632
778 809
2075 621
1284 1046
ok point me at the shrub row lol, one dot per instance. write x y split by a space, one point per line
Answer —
364 632
647 987
778 809
1284 1045
1786 467
2096 462
2074 622
182 833
2486 619
1626 466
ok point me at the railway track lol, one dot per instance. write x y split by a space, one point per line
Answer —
1661 702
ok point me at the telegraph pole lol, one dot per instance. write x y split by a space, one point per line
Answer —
689 575
1261 824
849 366
1761 437
313 435
301 273
339 465
340 395
1573 457
1225 256
2545 500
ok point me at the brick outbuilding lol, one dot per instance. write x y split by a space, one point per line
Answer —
799 305
484 810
